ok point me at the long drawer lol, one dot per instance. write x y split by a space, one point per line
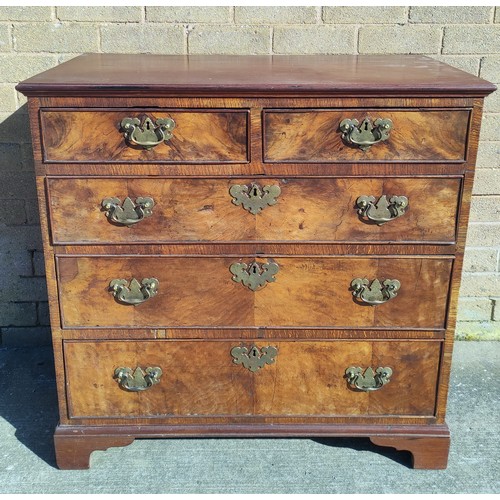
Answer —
242 291
323 135
102 136
175 378
97 210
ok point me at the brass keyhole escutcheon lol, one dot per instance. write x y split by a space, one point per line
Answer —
254 358
254 275
254 198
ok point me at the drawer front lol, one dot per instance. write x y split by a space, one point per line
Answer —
232 291
300 209
315 136
200 136
288 378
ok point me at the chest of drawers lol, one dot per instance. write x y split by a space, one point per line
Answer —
253 246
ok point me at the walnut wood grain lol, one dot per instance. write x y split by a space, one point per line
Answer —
50 273
196 210
256 166
256 102
314 136
446 355
200 136
199 291
225 333
250 420
307 378
262 249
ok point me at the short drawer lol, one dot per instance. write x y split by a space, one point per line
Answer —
409 135
274 292
163 210
156 136
336 378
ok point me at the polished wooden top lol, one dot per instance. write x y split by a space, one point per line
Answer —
148 74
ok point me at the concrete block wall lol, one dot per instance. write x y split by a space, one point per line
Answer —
33 39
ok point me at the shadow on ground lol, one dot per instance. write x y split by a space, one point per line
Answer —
364 444
28 398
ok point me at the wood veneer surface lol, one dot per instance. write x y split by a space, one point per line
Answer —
314 136
200 378
200 291
196 210
199 136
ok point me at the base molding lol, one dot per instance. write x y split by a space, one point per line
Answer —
428 444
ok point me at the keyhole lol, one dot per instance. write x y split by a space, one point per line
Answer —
366 125
254 191
148 125
254 269
254 353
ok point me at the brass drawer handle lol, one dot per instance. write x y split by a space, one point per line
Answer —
254 358
254 198
383 211
254 275
368 381
136 293
137 380
376 293
364 136
148 134
128 212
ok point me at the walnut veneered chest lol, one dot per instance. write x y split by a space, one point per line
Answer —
253 246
